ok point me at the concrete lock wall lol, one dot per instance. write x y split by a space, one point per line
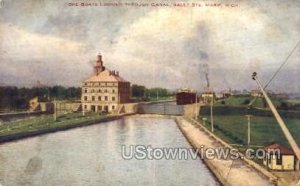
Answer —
161 109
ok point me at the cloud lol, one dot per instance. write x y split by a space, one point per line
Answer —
18 43
183 40
29 57
152 46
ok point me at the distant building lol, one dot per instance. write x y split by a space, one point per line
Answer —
227 94
37 104
284 160
105 90
219 95
208 97
186 96
256 93
281 96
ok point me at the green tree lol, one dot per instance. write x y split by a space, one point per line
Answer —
138 91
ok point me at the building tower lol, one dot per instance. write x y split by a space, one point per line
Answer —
105 90
98 68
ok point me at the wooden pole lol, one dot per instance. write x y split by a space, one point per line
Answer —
55 111
211 114
281 123
248 129
196 109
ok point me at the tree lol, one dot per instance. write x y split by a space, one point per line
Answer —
138 91
160 92
246 102
284 106
13 98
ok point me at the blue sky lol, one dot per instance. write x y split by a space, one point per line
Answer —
55 43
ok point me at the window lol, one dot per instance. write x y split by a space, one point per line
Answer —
113 90
99 98
100 107
279 160
85 98
93 98
105 90
85 91
85 84
113 107
106 98
113 98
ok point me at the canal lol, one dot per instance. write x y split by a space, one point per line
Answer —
92 155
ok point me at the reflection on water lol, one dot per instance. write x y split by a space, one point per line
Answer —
92 156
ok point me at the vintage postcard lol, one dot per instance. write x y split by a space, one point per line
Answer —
149 92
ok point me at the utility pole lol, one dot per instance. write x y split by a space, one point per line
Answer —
48 94
249 124
281 123
83 113
55 111
211 113
196 104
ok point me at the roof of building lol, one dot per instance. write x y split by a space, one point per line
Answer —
106 76
283 150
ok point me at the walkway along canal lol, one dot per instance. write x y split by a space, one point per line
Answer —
228 171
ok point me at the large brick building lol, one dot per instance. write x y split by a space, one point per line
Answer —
105 90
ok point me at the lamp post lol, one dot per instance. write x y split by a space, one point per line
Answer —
281 123
55 110
211 113
248 129
196 105
82 108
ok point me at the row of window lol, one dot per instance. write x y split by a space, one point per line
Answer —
102 84
99 107
99 90
100 98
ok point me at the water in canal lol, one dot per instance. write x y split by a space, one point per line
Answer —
92 156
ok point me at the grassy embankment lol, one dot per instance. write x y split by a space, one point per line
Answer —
46 122
230 122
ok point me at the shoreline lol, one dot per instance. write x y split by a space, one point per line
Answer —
28 134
